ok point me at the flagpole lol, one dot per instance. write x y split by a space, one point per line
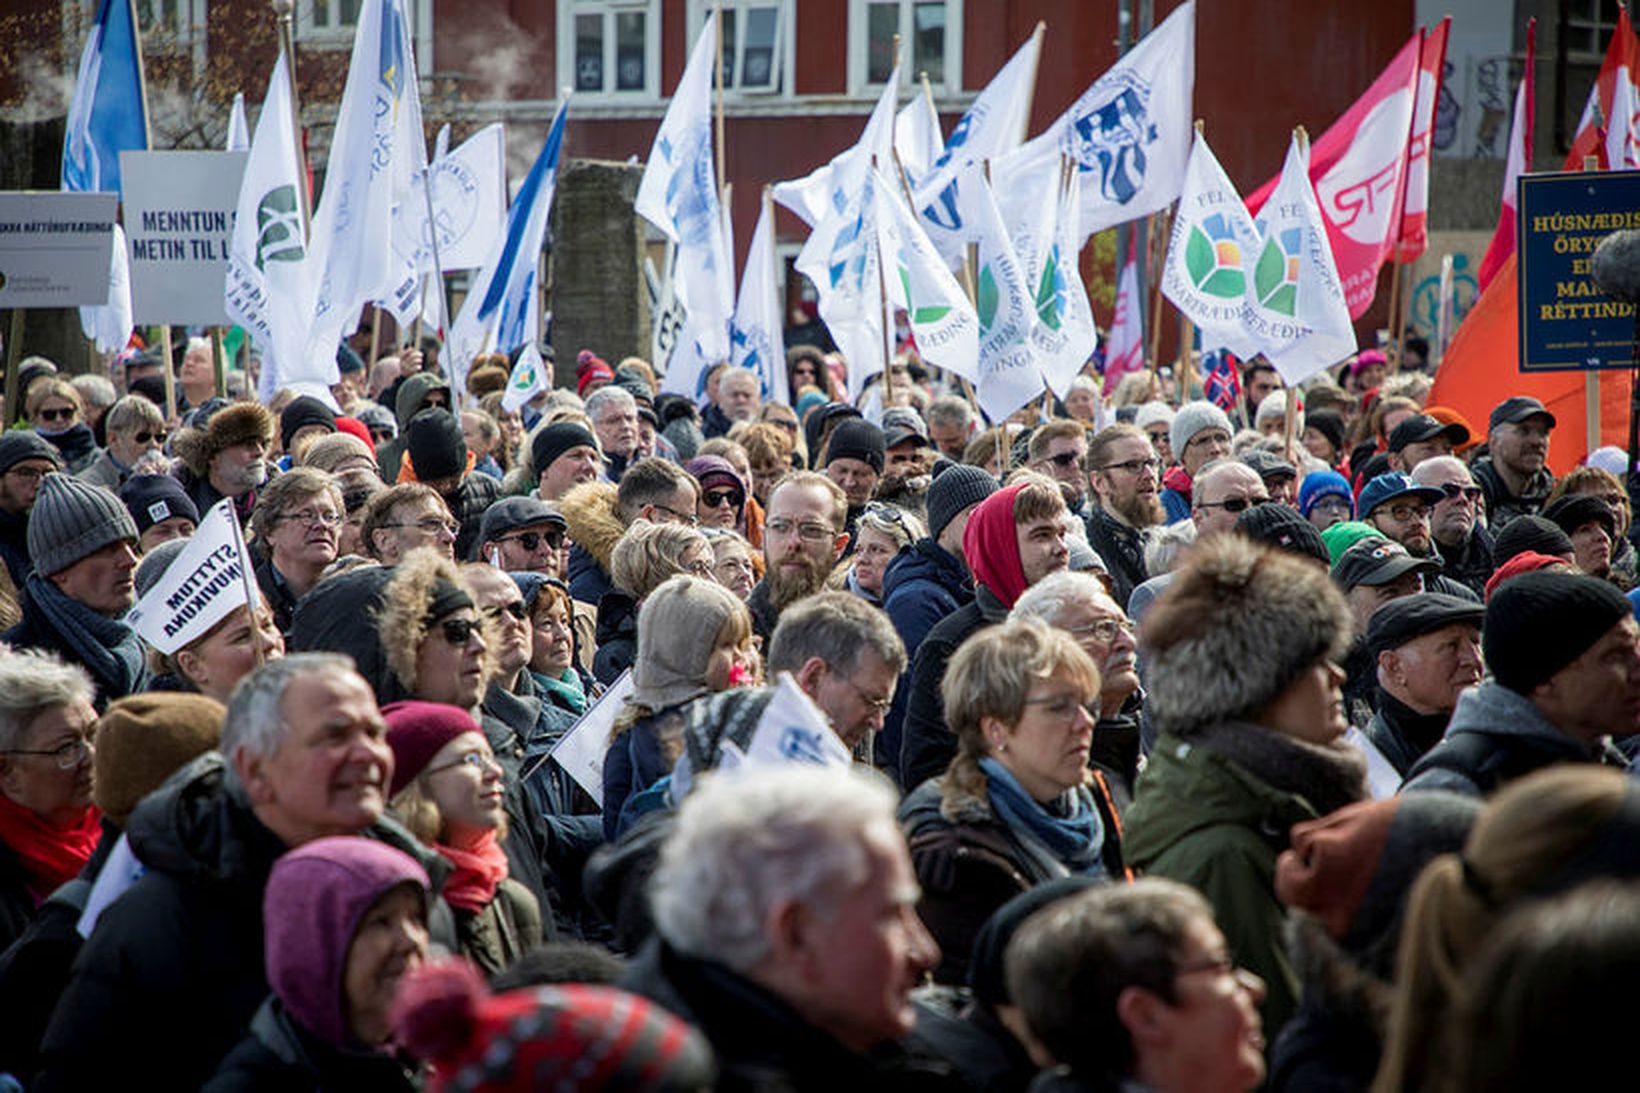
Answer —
282 10
142 77
928 94
888 315
1302 136
1160 231
1030 93
721 170
219 358
253 595
170 380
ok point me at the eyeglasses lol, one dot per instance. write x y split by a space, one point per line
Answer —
515 608
808 531
1103 630
1136 466
1406 513
683 517
67 755
459 631
1332 504
715 498
432 525
1451 491
64 414
1060 707
1234 504
31 474
530 540
1065 460
880 705
481 761
155 438
309 518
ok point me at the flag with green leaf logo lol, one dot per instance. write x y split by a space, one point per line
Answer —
1207 257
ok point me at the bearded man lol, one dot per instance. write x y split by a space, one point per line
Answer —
803 536
1123 474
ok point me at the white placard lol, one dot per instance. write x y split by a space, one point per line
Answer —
179 210
54 248
580 751
202 584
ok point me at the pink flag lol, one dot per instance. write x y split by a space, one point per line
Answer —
1359 166
1125 347
1415 209
1519 159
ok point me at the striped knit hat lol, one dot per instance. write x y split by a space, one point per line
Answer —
71 520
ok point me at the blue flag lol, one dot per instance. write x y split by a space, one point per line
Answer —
107 115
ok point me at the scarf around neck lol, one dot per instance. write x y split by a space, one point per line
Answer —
479 871
565 691
1074 838
107 646
50 856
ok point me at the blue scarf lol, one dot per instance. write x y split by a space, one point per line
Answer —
1075 838
110 649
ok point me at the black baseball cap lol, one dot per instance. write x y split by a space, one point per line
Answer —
1517 409
1420 428
1401 620
1375 561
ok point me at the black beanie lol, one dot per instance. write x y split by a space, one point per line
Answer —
1282 527
1330 425
859 439
1539 622
1525 533
955 488
305 411
556 439
435 445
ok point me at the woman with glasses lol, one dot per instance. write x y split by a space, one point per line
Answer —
48 826
136 434
722 493
643 559
447 789
296 528
734 565
750 522
1015 808
55 411
879 534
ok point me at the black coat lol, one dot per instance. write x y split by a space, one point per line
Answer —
278 594
279 1056
1122 550
922 586
617 636
14 546
16 901
926 744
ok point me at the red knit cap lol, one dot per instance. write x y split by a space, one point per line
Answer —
1332 861
416 731
1527 561
589 367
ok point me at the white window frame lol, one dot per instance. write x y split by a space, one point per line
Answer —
569 9
785 43
308 31
340 36
860 87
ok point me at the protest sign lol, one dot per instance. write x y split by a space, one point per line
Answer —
792 729
179 212
580 751
54 248
204 583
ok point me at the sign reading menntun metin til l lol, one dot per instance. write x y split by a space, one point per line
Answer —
1566 322
178 217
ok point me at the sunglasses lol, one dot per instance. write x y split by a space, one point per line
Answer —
516 609
530 540
1234 504
1065 460
459 631
714 498
64 414
156 438
1452 491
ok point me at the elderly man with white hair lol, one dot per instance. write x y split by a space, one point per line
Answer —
614 415
739 397
785 909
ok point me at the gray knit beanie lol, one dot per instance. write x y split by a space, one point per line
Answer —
678 627
72 519
1191 419
156 562
955 488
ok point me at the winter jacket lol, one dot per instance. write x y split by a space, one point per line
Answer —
761 1042
1497 735
1208 821
410 401
503 930
637 759
765 616
974 1041
1503 506
281 601
1335 1039
617 636
35 631
279 1056
970 862
595 527
921 586
103 471
1470 562
77 446
34 970
1122 549
714 422
1400 734
17 903
14 546
530 845
171 976
926 743
1177 488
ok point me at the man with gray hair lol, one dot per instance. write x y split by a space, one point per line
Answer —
950 426
614 415
787 932
739 397
1462 541
173 971
135 428
843 653
97 394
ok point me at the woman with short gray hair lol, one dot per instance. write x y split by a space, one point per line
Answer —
136 436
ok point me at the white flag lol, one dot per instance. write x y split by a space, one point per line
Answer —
377 149
239 130
580 751
110 325
1130 132
202 585
917 138
793 730
469 205
991 128
1064 336
814 197
1296 310
840 258
942 320
1008 372
502 309
268 289
1205 275
757 335
678 194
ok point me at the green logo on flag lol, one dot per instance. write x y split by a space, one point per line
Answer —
1275 278
1212 258
986 299
1050 292
526 379
278 227
919 315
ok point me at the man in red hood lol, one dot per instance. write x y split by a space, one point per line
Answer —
1014 539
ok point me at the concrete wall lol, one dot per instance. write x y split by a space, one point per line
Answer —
597 296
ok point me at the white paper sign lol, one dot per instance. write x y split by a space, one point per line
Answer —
55 248
179 211
203 584
580 751
793 730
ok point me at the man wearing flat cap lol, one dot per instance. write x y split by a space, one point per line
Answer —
1513 474
522 535
1563 650
1427 649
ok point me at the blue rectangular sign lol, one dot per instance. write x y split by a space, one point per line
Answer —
1566 322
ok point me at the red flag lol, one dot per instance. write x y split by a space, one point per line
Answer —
1415 207
1519 160
1125 348
1609 128
1359 169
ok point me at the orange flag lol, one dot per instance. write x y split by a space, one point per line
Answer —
1481 368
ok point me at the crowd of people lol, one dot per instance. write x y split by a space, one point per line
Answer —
1284 744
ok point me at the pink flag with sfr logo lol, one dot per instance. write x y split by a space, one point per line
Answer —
1359 166
1415 209
1125 348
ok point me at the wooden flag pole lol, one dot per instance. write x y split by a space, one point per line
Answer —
170 380
219 359
1161 228
14 353
282 10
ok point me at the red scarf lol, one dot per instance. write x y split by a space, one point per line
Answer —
991 545
50 856
479 871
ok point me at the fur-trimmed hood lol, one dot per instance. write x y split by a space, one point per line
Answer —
589 510
240 423
403 618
